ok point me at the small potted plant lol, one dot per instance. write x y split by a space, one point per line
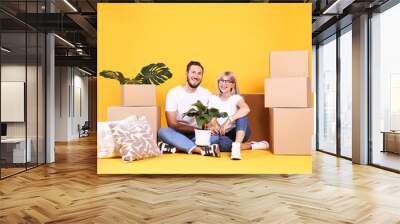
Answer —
203 116
140 90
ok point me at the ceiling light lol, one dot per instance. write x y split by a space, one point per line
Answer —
84 71
79 51
70 5
64 40
5 50
338 6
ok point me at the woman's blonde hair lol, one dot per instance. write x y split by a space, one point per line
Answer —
232 78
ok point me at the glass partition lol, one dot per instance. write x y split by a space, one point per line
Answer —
22 77
13 103
41 109
385 89
327 95
31 97
346 93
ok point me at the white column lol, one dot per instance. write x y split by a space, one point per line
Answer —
50 92
360 90
50 99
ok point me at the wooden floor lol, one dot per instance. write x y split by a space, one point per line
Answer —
387 159
10 171
70 191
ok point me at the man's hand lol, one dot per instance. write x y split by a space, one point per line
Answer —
179 126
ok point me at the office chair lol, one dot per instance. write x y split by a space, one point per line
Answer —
84 130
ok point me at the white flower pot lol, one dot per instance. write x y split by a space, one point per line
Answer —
202 137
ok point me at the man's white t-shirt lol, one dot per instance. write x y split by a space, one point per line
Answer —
229 106
180 101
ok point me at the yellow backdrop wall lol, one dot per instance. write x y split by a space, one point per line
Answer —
236 37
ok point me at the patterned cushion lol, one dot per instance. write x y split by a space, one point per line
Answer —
134 138
106 147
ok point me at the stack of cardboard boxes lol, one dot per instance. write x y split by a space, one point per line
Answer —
287 95
139 100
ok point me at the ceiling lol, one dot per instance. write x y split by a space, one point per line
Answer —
76 22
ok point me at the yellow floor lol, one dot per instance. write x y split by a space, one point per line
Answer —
253 162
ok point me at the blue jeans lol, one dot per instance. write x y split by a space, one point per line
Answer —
225 141
182 141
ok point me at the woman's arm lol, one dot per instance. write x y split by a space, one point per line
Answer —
243 110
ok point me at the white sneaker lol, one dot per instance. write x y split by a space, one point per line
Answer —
259 145
235 154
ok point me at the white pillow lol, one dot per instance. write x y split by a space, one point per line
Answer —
106 148
134 139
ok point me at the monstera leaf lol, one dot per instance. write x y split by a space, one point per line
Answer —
114 75
153 74
202 114
156 73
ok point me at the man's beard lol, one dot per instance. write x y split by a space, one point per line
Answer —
191 85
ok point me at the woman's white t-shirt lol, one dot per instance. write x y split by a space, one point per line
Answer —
230 106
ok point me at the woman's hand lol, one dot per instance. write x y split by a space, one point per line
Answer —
222 130
214 131
223 126
213 126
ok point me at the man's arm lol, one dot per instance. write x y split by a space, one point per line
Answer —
173 123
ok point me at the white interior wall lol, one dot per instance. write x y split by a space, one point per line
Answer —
81 82
72 87
14 73
33 127
61 103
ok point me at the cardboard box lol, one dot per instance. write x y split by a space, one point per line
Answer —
288 64
258 117
138 95
287 92
152 114
291 130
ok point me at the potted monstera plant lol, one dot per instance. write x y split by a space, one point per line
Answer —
140 90
203 116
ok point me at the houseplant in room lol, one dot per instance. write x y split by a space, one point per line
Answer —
140 90
203 116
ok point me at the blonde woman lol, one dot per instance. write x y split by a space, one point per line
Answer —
234 130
